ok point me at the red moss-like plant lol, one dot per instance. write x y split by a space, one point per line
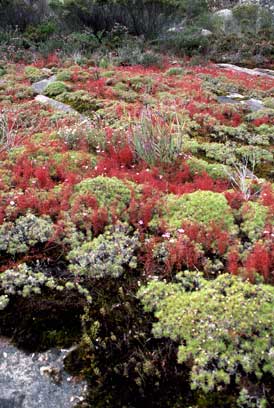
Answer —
260 260
182 254
233 259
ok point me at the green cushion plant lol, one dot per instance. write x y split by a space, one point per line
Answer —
204 207
224 328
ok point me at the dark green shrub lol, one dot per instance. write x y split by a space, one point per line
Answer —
189 42
40 32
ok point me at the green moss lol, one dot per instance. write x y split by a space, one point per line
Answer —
223 133
16 152
269 113
34 74
81 101
107 74
254 153
174 71
141 81
73 158
106 190
201 206
56 88
64 75
199 166
223 327
269 102
254 219
127 96
24 92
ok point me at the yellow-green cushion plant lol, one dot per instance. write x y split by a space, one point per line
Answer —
202 207
224 328
254 219
55 88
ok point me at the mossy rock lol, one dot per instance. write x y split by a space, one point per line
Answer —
56 88
254 219
203 207
108 191
81 101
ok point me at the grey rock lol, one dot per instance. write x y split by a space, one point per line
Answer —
224 14
54 104
45 100
226 20
255 104
26 382
236 96
206 33
254 72
251 104
227 99
40 86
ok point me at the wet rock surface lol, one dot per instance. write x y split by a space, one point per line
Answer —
31 380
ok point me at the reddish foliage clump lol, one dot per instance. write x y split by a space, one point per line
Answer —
213 237
235 199
182 254
260 260
233 259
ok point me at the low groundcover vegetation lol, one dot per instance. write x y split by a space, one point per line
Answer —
136 222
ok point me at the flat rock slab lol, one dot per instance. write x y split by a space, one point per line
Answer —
55 104
60 106
36 380
254 72
252 104
40 86
255 104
